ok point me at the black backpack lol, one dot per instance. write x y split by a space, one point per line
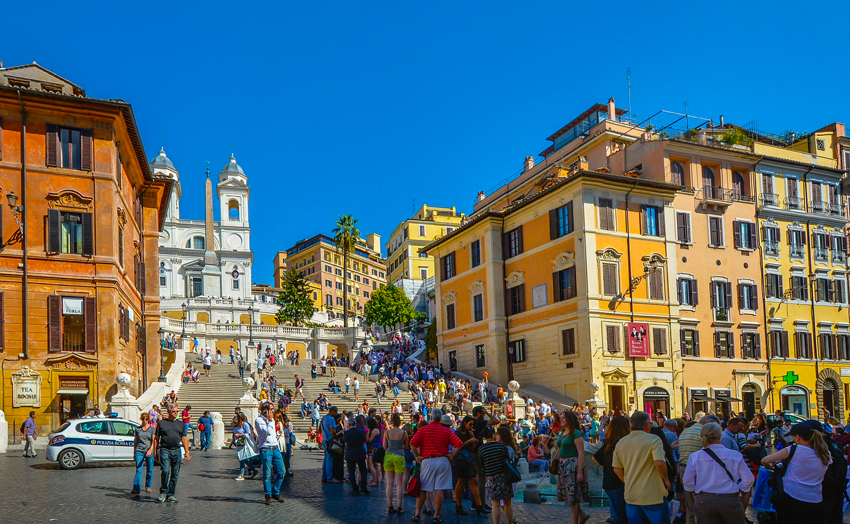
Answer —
835 479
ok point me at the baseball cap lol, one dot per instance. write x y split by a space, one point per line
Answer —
804 430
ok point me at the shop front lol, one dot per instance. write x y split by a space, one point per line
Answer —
73 396
751 395
700 401
723 403
795 399
73 386
656 399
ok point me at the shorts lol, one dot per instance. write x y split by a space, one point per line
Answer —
394 463
436 474
207 366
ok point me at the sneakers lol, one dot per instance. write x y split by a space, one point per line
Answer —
172 499
161 497
279 498
254 474
240 477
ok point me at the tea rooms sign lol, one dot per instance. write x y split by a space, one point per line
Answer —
26 388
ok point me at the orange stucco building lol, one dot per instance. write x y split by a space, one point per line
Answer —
91 213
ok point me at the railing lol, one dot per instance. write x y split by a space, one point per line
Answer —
73 342
721 314
263 331
821 253
838 256
771 248
817 206
793 202
769 199
742 197
717 193
835 209
797 250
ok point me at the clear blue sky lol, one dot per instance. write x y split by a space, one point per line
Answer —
371 107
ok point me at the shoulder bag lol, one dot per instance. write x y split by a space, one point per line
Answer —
511 472
776 482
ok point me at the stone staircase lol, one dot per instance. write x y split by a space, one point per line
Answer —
219 392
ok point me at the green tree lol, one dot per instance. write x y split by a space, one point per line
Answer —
295 303
389 306
431 341
346 235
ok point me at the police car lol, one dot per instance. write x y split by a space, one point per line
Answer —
92 440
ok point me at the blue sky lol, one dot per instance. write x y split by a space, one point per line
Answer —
372 108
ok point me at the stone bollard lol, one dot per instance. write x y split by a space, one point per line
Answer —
217 439
522 466
125 405
4 433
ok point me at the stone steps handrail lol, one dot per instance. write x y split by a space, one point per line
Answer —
194 327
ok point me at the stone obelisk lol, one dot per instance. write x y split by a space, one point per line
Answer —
211 272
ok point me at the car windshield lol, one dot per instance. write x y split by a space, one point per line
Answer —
63 427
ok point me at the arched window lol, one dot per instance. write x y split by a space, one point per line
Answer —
709 188
235 274
738 188
329 299
677 172
233 210
196 243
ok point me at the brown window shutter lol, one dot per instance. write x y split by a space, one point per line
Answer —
662 227
52 154
571 279
694 293
2 323
54 231
90 307
86 152
609 279
757 345
754 297
88 234
716 344
519 240
521 291
506 250
728 289
736 228
569 211
696 343
553 224
54 323
143 278
643 228
603 214
557 292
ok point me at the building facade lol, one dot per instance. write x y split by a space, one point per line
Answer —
405 258
77 274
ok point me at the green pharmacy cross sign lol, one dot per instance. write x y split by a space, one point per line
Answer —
790 378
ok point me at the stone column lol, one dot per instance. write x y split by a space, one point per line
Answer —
4 433
125 405
217 440
519 403
249 406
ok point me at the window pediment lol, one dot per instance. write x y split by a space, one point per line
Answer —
450 297
515 279
563 261
476 287
609 253
69 199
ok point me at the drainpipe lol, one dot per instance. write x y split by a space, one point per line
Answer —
25 302
144 317
811 295
764 309
507 314
631 296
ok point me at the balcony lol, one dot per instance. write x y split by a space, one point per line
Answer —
835 209
721 314
716 196
838 256
797 250
793 203
771 248
817 206
821 253
769 199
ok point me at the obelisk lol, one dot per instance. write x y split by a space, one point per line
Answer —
211 271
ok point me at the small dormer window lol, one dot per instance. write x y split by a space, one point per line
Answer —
19 82
51 88
821 144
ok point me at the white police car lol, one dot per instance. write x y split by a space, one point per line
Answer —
92 440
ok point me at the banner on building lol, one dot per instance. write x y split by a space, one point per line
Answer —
638 339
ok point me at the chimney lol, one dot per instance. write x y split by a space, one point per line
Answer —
1 64
529 163
481 196
612 109
721 121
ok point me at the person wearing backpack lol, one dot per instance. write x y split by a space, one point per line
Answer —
802 497
834 480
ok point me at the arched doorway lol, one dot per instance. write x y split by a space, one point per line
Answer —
795 399
656 399
751 398
830 395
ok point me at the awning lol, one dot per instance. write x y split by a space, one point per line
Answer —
73 391
702 397
729 399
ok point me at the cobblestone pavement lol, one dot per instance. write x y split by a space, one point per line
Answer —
35 490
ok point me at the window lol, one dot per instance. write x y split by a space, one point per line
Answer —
162 281
69 148
475 253
607 215
687 291
328 283
374 272
820 246
452 360
709 185
516 297
381 274
421 231
843 347
715 231
196 286
338 272
739 190
233 210
568 342
449 230
338 301
724 344
779 343
564 284
329 299
517 350
721 300
612 339
423 274
70 233
339 285
659 341
560 222
512 243
771 240
677 174
99 427
792 201
655 284
824 289
821 144
751 345
840 288
479 356
828 346
348 288
796 242
447 266
366 294
124 429
652 221
121 246
478 308
450 316
799 288
328 269
774 285
803 344
72 324
689 341
195 243
683 228
769 198
357 278
235 283
748 297
610 280
745 234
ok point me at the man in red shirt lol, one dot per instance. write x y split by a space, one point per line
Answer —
430 445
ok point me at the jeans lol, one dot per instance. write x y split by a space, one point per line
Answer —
544 465
205 439
346 389
29 447
314 421
169 461
327 464
145 462
272 459
246 463
651 514
618 505
287 457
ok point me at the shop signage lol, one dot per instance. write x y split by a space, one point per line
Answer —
722 394
638 339
793 390
699 392
26 388
656 393
72 306
845 372
74 382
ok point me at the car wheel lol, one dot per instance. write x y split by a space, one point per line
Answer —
71 459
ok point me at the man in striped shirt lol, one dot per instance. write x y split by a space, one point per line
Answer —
690 442
430 446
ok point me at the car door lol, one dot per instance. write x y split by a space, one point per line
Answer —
125 436
100 442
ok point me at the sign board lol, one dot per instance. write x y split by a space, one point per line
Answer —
699 392
72 306
26 388
539 295
722 394
74 382
638 339
845 372
792 390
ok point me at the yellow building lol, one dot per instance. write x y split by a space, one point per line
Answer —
560 289
405 259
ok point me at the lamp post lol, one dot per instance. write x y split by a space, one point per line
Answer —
183 334
251 325
161 333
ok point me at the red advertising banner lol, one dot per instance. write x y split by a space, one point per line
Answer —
638 339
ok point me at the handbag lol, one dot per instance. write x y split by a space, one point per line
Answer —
553 466
776 482
378 455
336 447
249 452
414 485
511 472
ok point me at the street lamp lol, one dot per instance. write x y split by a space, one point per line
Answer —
251 325
161 333
183 334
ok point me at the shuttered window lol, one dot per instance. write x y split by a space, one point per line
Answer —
560 221
612 339
450 316
715 231
517 350
687 292
610 282
745 234
689 342
74 330
447 266
607 214
71 233
655 283
659 341
69 148
512 243
803 344
475 251
516 299
564 284
652 221
683 227
568 337
478 308
724 344
751 345
779 344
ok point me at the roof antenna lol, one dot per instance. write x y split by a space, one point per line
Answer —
629 86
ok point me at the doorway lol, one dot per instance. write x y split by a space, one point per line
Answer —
830 397
655 400
751 400
72 407
617 398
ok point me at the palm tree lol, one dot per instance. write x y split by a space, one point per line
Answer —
346 235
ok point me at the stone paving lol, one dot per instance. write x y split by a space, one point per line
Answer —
35 490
